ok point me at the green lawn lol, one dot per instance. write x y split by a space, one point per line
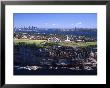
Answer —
79 44
29 41
40 42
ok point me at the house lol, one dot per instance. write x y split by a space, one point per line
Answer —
54 39
32 37
24 37
79 40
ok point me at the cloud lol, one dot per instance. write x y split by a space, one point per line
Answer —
53 24
79 23
76 24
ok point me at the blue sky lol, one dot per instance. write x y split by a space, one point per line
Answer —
56 20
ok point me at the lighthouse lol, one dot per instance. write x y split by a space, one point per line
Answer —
67 39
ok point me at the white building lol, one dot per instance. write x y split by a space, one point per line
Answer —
32 37
54 39
24 37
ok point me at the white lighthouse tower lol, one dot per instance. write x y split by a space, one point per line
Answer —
67 40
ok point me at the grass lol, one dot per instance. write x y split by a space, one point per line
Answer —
79 44
37 42
40 42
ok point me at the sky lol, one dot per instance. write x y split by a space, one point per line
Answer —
56 20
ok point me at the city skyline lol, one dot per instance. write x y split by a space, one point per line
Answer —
56 20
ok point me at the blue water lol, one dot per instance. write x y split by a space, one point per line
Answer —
88 33
76 33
